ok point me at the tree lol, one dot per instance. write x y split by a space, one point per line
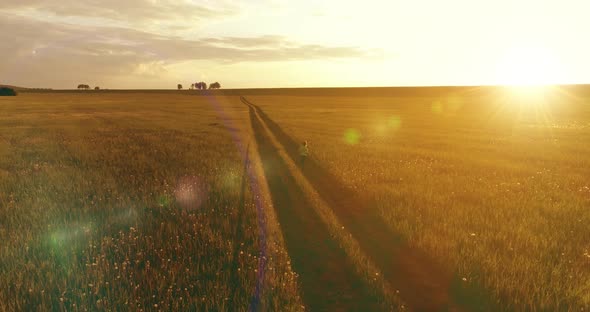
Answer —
179 86
215 85
4 91
192 86
200 85
97 88
83 86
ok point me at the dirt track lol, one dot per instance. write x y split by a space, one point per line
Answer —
423 284
328 279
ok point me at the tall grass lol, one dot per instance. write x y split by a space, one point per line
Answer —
126 202
492 186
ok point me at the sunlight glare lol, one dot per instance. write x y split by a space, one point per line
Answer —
528 94
529 66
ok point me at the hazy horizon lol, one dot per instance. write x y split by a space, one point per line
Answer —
145 44
186 87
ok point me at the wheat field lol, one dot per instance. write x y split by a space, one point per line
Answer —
129 202
473 200
493 185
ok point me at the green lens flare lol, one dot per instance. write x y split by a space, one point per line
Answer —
164 201
394 122
352 136
58 238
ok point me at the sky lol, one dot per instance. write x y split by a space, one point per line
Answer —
156 44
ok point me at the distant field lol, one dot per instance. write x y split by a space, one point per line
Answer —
459 199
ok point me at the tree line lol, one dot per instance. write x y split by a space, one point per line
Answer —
194 86
86 87
201 86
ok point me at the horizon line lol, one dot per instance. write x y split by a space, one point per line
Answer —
316 87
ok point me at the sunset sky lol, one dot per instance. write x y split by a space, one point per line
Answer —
304 43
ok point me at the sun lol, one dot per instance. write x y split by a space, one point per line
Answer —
529 66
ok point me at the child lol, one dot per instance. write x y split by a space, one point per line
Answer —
303 153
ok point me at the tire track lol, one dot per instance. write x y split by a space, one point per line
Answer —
328 278
255 301
239 234
423 284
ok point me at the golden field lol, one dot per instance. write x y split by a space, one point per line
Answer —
491 183
473 199
128 202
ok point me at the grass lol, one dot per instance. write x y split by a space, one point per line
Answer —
364 270
388 265
493 187
164 201
128 201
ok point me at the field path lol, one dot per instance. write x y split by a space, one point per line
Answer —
422 283
327 277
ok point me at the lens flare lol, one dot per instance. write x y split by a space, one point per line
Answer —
528 94
190 192
352 136
230 178
61 237
447 106
394 123
164 200
64 239
388 126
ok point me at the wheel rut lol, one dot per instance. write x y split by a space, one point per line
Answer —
423 284
328 279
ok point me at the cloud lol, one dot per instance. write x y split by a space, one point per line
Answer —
241 42
127 10
65 54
